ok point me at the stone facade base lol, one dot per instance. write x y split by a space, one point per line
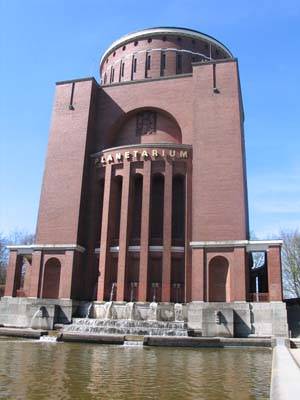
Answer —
238 319
24 312
203 319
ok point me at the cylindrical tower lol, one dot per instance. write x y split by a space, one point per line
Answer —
158 52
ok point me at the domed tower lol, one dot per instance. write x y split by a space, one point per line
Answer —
144 194
158 52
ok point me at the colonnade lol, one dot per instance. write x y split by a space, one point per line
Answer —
143 231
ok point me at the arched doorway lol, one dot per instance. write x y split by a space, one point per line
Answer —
218 279
51 279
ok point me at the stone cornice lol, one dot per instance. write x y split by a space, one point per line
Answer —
29 248
250 245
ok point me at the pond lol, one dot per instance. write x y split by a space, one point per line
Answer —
32 369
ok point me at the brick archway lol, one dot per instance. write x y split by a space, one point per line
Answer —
51 279
218 279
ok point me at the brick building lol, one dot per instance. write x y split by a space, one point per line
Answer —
144 194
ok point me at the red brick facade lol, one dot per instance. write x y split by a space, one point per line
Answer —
144 193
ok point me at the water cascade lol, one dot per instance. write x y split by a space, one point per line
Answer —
154 319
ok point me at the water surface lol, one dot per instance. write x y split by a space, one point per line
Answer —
35 370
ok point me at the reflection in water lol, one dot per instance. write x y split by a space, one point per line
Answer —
33 370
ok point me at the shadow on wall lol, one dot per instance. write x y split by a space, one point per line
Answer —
293 316
146 124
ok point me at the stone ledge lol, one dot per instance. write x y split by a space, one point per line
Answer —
215 342
90 338
22 333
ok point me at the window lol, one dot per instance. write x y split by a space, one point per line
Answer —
122 69
178 63
162 63
164 38
105 78
149 40
112 72
134 65
136 43
124 48
148 65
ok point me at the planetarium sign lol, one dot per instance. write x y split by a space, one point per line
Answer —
141 154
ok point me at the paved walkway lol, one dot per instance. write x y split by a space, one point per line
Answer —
296 355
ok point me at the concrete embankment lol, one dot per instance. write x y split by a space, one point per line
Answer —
169 341
285 380
25 333
180 341
90 338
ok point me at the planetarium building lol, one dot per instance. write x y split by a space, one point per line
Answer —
144 195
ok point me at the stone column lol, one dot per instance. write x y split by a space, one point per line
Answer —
274 273
188 235
66 275
145 225
198 277
13 272
167 233
104 244
35 279
123 237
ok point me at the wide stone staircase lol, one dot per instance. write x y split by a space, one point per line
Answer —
127 327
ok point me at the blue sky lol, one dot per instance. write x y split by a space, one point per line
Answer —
51 40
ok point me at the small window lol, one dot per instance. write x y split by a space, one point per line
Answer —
163 60
134 65
105 78
164 38
149 40
124 48
148 66
122 69
136 43
106 60
112 73
114 54
178 63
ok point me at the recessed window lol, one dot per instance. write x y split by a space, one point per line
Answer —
105 78
149 40
163 60
134 65
112 73
106 60
164 38
114 54
122 69
148 65
124 48
136 43
178 63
